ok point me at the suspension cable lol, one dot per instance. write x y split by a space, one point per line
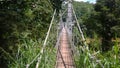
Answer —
80 30
58 51
63 12
44 45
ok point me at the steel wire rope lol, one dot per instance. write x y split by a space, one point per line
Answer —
59 28
82 35
61 57
53 36
57 45
70 41
58 51
76 38
80 30
63 12
84 48
59 33
73 50
58 39
44 45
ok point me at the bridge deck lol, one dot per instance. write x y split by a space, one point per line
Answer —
64 55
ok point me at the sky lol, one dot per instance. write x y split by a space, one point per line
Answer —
91 1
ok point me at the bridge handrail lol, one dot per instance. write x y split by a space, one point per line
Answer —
44 45
80 30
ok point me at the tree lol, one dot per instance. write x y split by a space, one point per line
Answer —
18 17
107 14
57 4
84 12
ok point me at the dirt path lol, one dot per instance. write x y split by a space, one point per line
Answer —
64 58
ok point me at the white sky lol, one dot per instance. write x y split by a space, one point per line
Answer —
91 1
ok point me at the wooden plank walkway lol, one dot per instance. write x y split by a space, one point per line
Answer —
64 55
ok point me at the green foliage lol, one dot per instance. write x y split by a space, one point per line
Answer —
108 19
22 23
104 20
95 58
96 21
56 4
83 10
29 49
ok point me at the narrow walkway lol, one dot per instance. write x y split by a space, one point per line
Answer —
64 55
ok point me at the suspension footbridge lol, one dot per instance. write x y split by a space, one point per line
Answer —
65 45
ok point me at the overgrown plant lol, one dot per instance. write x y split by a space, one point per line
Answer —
96 58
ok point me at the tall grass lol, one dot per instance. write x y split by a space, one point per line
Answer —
29 48
95 58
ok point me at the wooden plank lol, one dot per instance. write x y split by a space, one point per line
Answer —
64 57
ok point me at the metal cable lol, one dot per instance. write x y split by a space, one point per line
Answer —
44 45
80 30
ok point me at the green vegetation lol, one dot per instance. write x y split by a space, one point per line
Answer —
100 23
24 24
23 27
107 14
95 58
